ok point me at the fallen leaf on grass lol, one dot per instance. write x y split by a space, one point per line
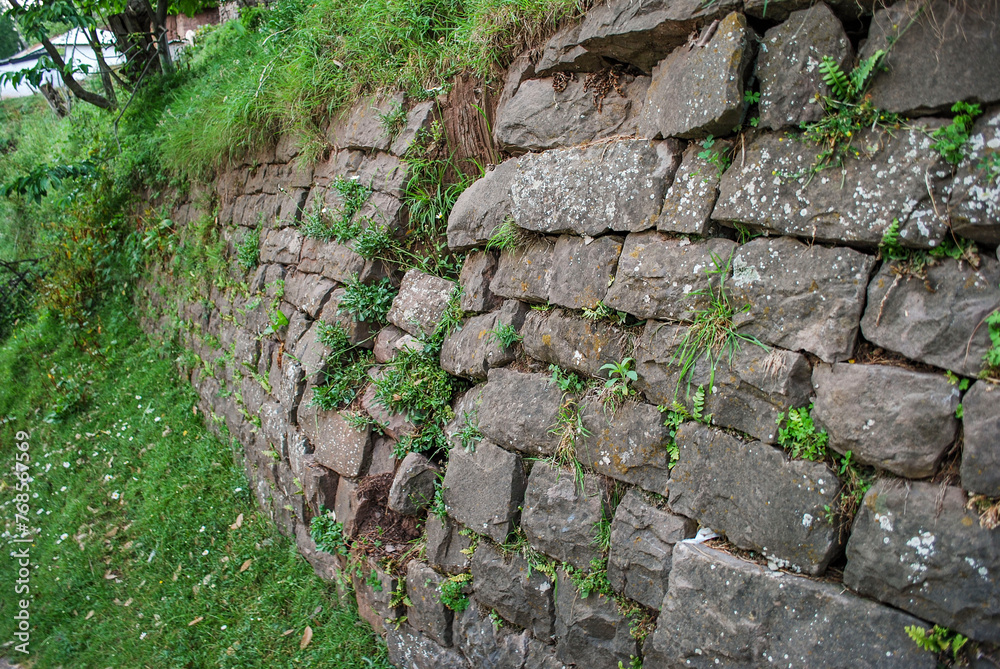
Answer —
245 565
238 524
307 636
110 575
287 632
196 621
90 614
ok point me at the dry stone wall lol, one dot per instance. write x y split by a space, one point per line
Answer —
628 229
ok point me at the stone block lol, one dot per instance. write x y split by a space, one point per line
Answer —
538 117
477 272
721 611
981 449
772 188
931 42
332 260
717 479
525 273
413 485
517 410
788 66
560 515
308 292
373 601
473 349
427 613
421 302
445 545
522 595
339 446
281 246
591 631
687 208
483 489
481 208
361 126
615 186
573 342
974 203
486 646
417 119
889 417
582 270
800 297
414 650
642 543
563 53
937 320
628 444
916 547
663 277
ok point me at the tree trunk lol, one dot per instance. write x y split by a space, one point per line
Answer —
102 65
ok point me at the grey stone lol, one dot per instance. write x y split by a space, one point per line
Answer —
698 91
560 515
421 302
788 66
716 480
721 611
687 208
390 340
287 380
308 292
937 320
889 417
481 208
582 270
746 389
520 594
588 191
310 355
542 656
642 33
473 349
915 546
383 458
538 117
800 297
324 564
346 505
445 545
517 410
483 489
563 53
394 425
572 342
931 42
427 613
591 631
525 273
332 260
661 277
465 406
359 333
417 119
412 488
981 448
361 126
410 649
477 272
779 10
628 444
374 602
281 246
974 203
338 445
485 646
642 543
773 189
384 173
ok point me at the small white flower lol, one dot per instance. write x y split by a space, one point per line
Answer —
204 552
138 397
115 495
63 489
202 529
66 465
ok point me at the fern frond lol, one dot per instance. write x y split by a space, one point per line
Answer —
835 78
862 74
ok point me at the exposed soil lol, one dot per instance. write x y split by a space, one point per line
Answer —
382 533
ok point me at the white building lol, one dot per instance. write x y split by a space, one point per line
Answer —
74 48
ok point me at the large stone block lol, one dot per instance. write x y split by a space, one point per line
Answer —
339 446
481 208
628 444
800 297
281 246
483 489
518 410
642 33
975 198
413 485
572 342
332 260
699 91
582 270
445 545
723 612
930 42
915 546
426 612
889 417
474 348
308 292
588 191
687 208
788 66
477 272
417 119
560 515
717 481
592 631
421 302
642 543
937 320
745 389
772 188
487 646
361 126
520 594
981 449
663 277
411 649
539 117
525 273
563 53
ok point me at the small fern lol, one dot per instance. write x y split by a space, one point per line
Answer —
850 87
937 640
698 406
863 73
835 78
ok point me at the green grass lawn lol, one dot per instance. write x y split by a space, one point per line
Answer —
148 551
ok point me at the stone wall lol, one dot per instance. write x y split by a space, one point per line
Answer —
627 234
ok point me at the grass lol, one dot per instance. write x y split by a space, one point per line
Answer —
149 549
